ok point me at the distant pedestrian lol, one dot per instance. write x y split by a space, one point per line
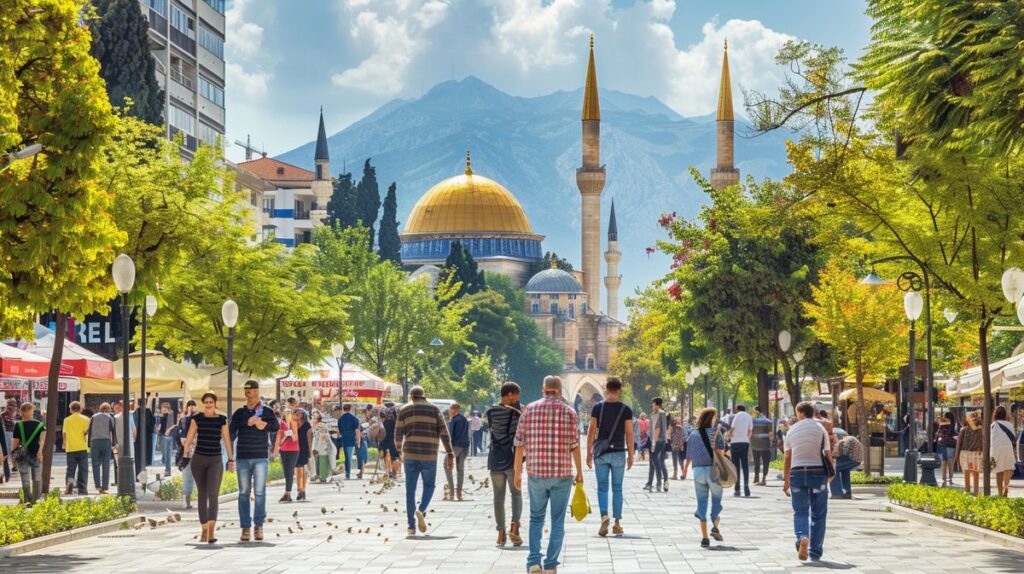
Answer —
188 482
762 445
323 448
945 446
703 442
677 443
387 447
476 426
739 447
458 431
548 440
29 435
305 437
102 434
1004 451
419 430
287 445
209 431
125 446
252 425
164 427
848 454
610 447
659 438
503 422
969 449
9 417
363 451
349 428
806 480
75 429
642 437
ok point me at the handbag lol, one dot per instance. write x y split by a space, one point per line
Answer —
580 505
723 471
826 462
21 453
601 446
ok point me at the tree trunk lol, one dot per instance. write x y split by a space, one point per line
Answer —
792 386
862 422
51 398
986 412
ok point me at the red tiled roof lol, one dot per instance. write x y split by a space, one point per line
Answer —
273 170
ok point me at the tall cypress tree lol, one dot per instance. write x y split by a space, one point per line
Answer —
341 208
368 198
120 42
461 265
389 246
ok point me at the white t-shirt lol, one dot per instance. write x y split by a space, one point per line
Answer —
742 424
805 439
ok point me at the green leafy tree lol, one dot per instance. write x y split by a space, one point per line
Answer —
341 208
368 198
389 246
344 257
57 234
120 41
479 381
462 268
866 327
549 260
492 325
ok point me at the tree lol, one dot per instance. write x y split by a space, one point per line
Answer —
546 263
343 256
388 244
57 235
461 266
120 41
341 208
640 360
479 382
866 327
368 198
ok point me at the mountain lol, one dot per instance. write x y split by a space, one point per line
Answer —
532 147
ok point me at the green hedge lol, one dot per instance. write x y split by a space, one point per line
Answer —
50 515
858 477
174 490
1004 515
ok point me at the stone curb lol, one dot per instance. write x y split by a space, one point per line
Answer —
991 536
58 538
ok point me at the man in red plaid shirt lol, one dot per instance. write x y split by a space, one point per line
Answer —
547 435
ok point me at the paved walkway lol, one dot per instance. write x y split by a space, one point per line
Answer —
346 529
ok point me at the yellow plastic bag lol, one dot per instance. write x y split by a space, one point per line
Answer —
580 505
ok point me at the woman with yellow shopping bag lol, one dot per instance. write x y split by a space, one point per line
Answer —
705 451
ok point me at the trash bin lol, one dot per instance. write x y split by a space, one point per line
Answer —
877 460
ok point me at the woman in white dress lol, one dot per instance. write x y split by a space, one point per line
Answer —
1004 455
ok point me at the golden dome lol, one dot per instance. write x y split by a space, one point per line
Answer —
470 203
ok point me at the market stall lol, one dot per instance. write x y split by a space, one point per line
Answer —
163 376
357 385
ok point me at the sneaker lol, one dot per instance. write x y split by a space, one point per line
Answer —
603 530
736 492
716 534
535 569
301 496
617 528
514 536
746 491
705 543
286 498
245 535
666 486
421 521
647 487
410 532
657 488
257 533
801 549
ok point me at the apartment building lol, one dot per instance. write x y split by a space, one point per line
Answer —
186 38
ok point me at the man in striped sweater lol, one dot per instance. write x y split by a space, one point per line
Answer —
419 428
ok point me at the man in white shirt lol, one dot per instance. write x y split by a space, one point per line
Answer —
807 449
742 428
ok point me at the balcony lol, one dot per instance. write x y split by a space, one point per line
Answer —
190 142
182 79
157 23
181 40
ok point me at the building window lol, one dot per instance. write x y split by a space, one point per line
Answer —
182 120
158 6
217 5
535 308
212 42
319 172
590 362
268 205
211 91
572 296
181 22
554 308
572 310
208 134
583 309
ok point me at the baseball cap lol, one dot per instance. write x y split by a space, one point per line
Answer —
251 384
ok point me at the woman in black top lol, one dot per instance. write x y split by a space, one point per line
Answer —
207 431
305 439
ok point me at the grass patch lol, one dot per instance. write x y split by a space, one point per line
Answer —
1004 515
51 515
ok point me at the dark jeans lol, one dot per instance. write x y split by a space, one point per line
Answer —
478 442
78 470
288 460
761 458
657 468
208 472
349 454
740 452
810 508
678 459
414 469
252 479
101 451
840 485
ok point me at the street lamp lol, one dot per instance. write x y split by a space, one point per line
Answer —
229 313
913 304
785 340
338 350
151 305
123 271
23 153
1013 284
950 315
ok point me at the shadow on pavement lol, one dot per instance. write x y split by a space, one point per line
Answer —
1006 560
828 565
44 563
429 537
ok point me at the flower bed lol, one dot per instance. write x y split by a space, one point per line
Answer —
857 477
51 515
1004 515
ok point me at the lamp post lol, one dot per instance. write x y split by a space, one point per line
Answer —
785 340
436 343
913 304
151 306
338 350
123 271
229 313
23 153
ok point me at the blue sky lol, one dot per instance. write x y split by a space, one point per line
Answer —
286 59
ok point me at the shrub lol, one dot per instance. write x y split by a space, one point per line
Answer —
50 515
174 490
858 477
1004 515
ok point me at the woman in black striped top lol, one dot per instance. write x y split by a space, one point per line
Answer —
208 430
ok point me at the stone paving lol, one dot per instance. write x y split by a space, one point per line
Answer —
345 529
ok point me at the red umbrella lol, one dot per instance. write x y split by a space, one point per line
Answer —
18 364
76 361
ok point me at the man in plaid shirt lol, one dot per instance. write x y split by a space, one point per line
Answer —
548 433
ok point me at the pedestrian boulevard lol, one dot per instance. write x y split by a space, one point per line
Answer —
360 527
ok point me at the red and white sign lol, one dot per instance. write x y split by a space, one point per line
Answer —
69 384
15 363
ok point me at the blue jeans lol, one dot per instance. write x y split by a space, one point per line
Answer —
478 442
414 469
252 475
840 485
363 454
188 483
657 468
614 464
101 451
704 486
167 453
740 454
544 491
810 508
349 453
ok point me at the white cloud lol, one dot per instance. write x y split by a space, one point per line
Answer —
252 84
244 53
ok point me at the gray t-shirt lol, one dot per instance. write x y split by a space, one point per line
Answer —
119 429
101 426
660 422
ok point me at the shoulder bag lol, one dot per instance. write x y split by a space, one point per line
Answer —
723 471
826 462
21 453
601 446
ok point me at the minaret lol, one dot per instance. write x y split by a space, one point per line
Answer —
724 174
612 257
590 180
321 185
